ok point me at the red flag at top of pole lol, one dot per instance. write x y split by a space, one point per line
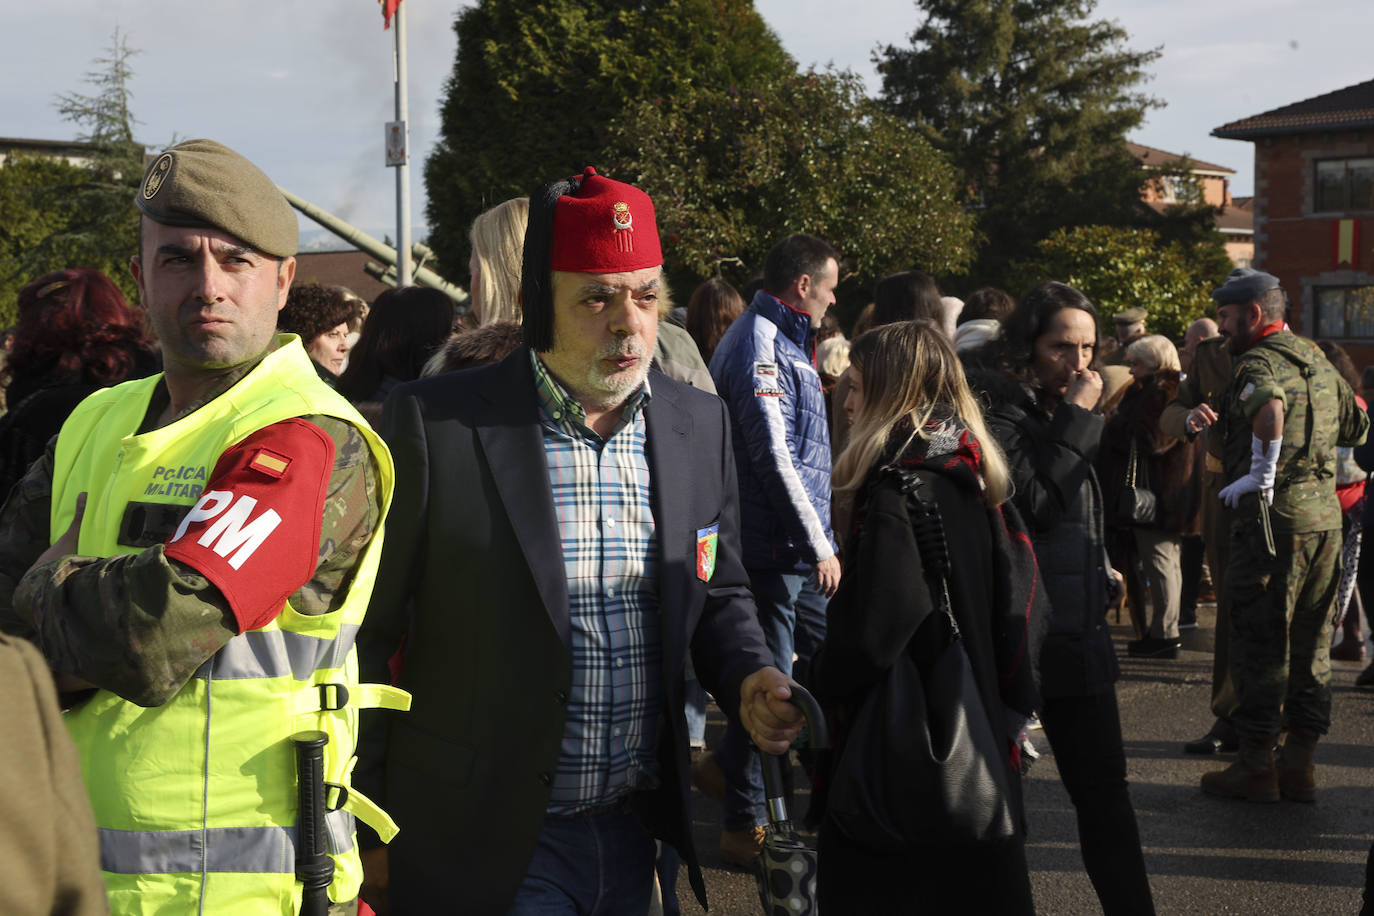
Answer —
388 10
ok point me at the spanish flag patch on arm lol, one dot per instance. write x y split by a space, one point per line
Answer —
266 461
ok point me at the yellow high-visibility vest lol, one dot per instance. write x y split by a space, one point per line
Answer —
196 800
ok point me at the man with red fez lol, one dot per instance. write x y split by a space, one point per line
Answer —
566 531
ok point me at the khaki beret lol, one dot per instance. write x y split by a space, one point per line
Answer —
1243 285
1131 316
202 183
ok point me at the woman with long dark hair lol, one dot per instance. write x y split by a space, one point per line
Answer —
1043 399
403 329
75 335
914 416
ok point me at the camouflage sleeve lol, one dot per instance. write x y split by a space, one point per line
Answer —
140 624
352 512
1256 384
1354 420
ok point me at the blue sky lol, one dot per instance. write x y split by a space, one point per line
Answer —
303 87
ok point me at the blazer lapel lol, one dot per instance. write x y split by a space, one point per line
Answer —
514 446
669 437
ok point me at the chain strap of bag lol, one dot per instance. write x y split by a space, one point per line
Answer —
1137 504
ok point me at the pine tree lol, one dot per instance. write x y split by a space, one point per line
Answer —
732 171
104 220
535 85
1032 102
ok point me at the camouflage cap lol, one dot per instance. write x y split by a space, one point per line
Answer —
1131 316
1243 285
205 184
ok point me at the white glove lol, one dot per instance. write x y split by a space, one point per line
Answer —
1264 462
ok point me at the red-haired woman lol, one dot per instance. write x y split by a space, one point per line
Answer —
75 335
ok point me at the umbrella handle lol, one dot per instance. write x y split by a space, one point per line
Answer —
811 711
773 791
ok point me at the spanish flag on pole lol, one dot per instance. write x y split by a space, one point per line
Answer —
388 10
1345 243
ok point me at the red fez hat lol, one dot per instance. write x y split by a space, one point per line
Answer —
604 227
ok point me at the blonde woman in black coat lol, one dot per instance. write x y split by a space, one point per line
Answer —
911 409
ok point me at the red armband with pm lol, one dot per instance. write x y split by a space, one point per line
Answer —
255 532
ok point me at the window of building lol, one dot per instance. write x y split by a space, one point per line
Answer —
1179 189
1345 184
1345 311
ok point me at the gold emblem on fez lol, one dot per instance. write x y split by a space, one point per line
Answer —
624 225
156 176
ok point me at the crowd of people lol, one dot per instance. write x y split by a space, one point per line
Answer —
462 663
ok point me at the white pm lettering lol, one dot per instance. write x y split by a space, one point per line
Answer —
230 530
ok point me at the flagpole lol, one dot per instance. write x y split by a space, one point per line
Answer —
402 170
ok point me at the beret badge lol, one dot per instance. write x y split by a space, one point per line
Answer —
156 176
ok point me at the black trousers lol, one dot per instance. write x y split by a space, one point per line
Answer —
1085 735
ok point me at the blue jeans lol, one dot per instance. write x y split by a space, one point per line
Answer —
598 865
695 697
775 594
809 629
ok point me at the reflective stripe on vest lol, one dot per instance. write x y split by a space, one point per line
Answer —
278 653
270 850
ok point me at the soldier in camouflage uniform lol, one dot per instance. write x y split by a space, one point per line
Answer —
1285 412
142 624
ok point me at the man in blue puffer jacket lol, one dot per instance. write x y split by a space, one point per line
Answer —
764 369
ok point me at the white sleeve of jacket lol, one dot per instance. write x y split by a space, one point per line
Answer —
767 419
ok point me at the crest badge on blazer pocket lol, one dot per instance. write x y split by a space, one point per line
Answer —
707 539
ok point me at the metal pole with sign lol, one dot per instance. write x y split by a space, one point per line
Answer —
398 152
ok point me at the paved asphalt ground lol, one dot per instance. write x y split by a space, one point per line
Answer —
1205 855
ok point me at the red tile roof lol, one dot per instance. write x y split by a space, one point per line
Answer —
1343 109
1236 220
1151 156
1230 220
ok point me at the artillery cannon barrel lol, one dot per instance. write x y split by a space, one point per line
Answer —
379 250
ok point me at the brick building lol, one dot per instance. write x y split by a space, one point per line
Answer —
1205 182
1314 211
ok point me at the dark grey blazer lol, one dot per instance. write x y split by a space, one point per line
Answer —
472 577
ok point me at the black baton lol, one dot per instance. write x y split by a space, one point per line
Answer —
314 868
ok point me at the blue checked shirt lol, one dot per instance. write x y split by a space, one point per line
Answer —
601 493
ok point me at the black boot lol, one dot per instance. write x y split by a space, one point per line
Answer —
1220 740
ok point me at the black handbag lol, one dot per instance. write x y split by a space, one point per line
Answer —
1137 503
923 762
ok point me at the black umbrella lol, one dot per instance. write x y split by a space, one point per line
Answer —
786 869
